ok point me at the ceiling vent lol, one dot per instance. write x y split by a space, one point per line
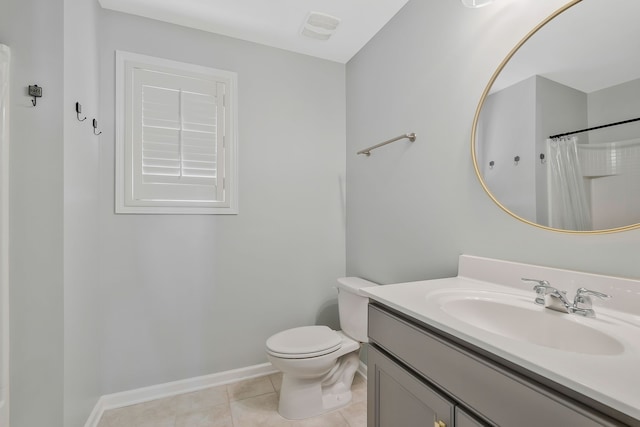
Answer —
319 26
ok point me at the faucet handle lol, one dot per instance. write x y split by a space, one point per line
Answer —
583 296
542 287
537 282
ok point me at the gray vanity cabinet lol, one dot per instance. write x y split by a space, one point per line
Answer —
401 399
417 377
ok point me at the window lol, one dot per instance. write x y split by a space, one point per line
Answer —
176 137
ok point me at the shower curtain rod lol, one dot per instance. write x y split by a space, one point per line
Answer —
594 128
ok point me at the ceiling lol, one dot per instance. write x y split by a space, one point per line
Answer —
276 23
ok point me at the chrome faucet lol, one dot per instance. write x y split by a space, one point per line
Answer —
541 287
582 303
557 300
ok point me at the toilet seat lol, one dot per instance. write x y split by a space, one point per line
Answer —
304 342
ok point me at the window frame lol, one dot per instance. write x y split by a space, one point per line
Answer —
125 203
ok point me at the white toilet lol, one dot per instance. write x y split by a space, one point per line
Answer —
318 363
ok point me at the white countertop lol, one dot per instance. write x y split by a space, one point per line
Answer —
612 379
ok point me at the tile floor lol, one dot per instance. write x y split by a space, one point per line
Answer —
249 403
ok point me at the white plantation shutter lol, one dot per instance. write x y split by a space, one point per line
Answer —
179 138
178 131
179 134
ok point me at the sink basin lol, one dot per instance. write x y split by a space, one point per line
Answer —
513 317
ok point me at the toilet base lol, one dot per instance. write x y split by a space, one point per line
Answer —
303 397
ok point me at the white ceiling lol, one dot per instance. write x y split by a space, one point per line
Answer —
275 23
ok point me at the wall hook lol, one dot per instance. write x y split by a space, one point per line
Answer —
78 111
36 92
516 160
542 160
491 164
95 126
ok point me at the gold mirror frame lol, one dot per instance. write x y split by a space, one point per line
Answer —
475 129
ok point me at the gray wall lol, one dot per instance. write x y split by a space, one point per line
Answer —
34 32
82 305
614 104
413 208
103 303
508 129
189 295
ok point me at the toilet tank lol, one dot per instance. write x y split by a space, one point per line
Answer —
352 307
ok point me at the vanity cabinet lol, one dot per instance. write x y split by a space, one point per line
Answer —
401 399
417 377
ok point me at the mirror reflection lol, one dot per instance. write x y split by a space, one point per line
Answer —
557 140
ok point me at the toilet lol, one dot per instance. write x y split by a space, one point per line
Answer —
318 363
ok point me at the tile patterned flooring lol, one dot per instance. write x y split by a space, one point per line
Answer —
249 403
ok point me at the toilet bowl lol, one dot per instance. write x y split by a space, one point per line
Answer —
318 363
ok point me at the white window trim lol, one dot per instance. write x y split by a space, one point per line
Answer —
231 150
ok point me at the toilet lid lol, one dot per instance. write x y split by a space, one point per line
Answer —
303 342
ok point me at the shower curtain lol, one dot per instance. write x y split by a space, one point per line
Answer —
568 205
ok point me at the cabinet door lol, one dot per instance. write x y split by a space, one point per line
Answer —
397 398
465 420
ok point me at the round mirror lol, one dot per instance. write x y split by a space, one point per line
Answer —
556 137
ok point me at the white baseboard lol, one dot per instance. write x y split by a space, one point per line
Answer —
362 370
145 394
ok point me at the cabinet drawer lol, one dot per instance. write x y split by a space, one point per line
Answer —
501 396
